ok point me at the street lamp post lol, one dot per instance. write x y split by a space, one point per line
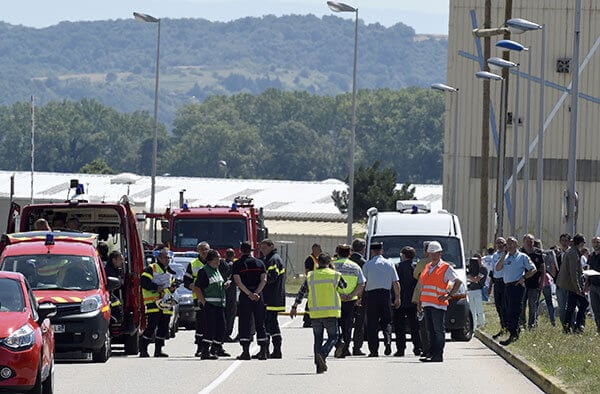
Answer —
449 89
150 19
342 7
500 189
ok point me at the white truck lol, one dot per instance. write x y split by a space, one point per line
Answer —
412 224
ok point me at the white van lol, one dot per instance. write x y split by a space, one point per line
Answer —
410 225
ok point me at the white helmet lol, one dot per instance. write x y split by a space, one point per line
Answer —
433 247
167 302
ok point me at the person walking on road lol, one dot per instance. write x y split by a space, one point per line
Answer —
407 312
250 277
381 276
516 268
355 281
435 279
310 264
325 308
274 294
358 337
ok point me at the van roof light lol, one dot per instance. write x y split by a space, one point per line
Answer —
413 206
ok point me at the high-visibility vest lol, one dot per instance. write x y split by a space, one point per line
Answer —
350 277
196 265
315 262
152 296
433 285
323 298
214 293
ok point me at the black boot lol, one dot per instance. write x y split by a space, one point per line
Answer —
217 349
276 347
198 350
206 354
264 351
158 345
257 355
144 347
245 351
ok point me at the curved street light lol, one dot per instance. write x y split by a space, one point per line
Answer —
449 89
342 7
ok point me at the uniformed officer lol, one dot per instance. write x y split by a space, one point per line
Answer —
156 281
114 268
310 264
250 277
189 278
274 294
230 295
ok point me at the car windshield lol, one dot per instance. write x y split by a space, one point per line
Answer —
393 245
11 296
221 233
51 271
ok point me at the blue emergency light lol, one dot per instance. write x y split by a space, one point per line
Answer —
49 239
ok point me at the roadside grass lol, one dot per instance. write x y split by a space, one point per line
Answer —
573 359
293 284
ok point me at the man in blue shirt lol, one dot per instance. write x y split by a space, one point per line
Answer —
497 286
381 276
515 267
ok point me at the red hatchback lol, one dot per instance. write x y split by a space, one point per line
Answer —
26 337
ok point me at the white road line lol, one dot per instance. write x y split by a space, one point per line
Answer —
215 383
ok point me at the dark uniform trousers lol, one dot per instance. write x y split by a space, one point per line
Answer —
347 321
272 324
159 322
513 294
436 328
360 313
379 315
246 310
200 322
500 301
215 324
230 309
402 317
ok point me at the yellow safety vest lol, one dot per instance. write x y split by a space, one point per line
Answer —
152 296
323 298
196 266
351 279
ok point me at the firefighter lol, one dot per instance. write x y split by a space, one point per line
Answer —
250 277
114 268
231 302
156 282
274 294
189 278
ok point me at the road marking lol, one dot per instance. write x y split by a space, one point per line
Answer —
215 383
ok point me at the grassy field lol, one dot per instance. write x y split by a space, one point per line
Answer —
573 359
293 284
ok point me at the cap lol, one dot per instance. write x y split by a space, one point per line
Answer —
433 247
246 247
376 245
343 246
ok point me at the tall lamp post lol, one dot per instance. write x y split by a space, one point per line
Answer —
500 189
449 89
342 7
150 19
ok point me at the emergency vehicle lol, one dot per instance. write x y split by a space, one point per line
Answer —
412 224
64 269
115 223
221 226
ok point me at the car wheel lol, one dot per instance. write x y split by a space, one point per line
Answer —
132 344
48 385
465 333
102 355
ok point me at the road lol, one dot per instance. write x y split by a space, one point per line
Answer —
469 367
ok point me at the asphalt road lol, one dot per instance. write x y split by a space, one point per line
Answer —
469 367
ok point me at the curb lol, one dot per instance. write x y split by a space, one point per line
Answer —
546 383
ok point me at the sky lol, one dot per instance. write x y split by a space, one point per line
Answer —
425 16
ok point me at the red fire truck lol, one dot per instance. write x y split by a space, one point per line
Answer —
221 226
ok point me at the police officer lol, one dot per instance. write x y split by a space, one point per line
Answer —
189 278
156 281
355 281
250 277
274 294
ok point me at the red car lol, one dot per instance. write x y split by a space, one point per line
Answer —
26 338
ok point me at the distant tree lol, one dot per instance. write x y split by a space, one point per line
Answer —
97 166
373 187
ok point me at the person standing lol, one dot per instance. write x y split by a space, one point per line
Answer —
189 278
551 269
423 334
230 295
497 287
593 282
324 304
407 312
475 283
274 294
114 268
155 282
533 285
435 279
569 278
250 277
381 276
310 264
561 293
355 282
488 263
358 252
516 267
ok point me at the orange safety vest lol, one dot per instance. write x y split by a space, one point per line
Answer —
433 285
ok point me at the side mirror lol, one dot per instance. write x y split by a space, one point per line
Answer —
46 310
112 283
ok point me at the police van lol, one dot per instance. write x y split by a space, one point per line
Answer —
412 224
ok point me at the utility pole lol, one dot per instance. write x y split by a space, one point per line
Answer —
485 138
